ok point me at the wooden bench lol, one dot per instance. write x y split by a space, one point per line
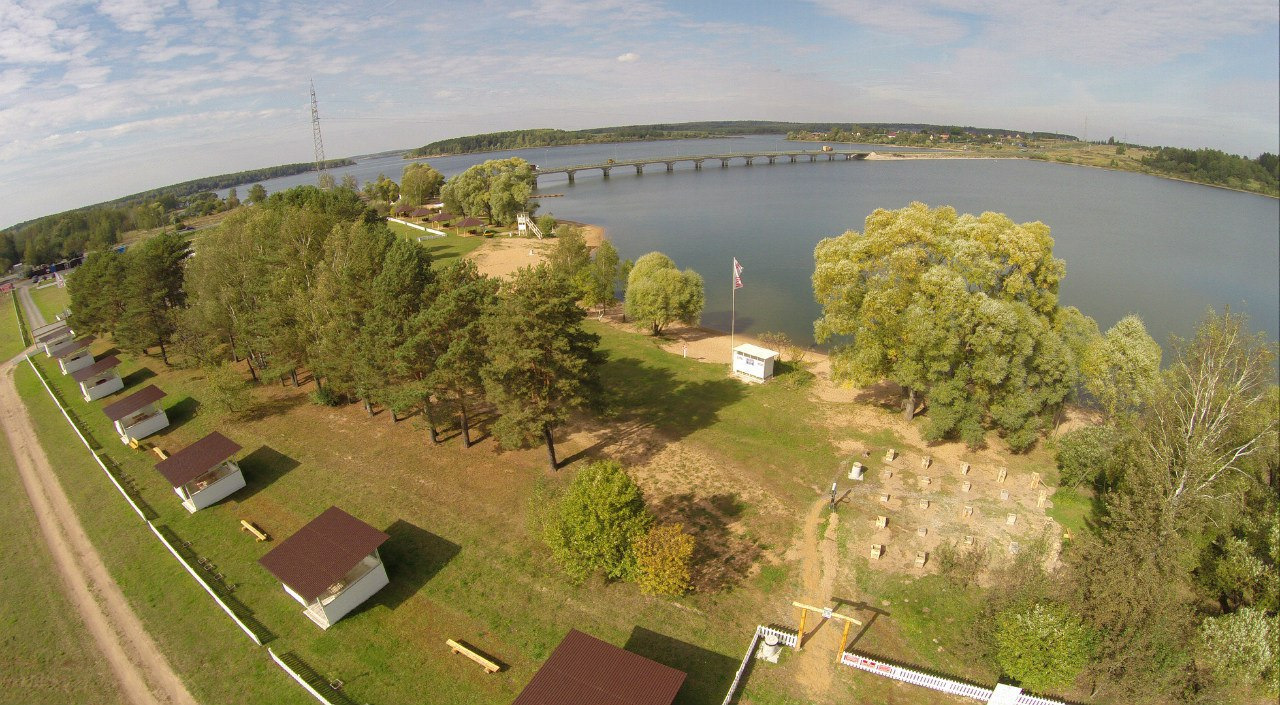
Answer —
458 648
249 526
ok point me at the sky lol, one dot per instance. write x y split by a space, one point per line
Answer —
103 99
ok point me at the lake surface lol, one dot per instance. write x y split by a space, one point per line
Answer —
1163 249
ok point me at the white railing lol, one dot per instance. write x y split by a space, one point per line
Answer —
415 226
523 221
1028 699
252 635
85 441
301 681
786 638
906 675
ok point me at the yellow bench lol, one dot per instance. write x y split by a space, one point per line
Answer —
160 452
249 526
489 666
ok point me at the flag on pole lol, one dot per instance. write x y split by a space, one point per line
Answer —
737 274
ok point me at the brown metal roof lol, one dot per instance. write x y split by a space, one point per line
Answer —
322 552
147 395
73 348
584 669
54 334
197 459
88 373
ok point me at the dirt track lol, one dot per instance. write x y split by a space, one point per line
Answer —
143 672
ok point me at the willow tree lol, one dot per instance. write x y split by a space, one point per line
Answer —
497 189
961 311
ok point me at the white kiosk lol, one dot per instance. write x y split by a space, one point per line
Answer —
753 363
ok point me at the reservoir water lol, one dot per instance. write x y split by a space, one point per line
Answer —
1163 249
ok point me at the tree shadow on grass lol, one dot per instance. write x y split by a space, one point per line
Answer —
708 673
275 405
181 412
263 467
636 392
413 556
721 556
138 376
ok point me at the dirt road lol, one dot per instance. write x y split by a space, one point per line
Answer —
144 674
819 563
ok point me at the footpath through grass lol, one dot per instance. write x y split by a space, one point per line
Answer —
442 249
51 301
46 652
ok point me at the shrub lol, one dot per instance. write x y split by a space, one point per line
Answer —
597 522
1084 453
1043 646
663 559
228 393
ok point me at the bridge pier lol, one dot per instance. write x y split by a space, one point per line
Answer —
749 160
724 163
606 170
697 165
771 159
813 158
639 170
831 157
571 172
793 158
671 166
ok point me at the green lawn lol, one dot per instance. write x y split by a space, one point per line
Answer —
442 249
10 336
46 653
51 301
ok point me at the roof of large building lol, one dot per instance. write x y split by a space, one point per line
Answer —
584 669
322 552
75 347
139 399
197 459
87 373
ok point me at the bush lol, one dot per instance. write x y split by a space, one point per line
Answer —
1241 646
326 397
663 559
1043 646
597 522
1084 453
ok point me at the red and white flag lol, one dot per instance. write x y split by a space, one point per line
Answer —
737 274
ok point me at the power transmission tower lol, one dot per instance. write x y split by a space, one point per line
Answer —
315 131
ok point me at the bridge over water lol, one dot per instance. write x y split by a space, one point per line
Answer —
748 158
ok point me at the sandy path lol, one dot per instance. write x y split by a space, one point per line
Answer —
501 256
819 564
142 671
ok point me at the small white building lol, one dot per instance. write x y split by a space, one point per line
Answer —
753 363
330 566
99 379
138 415
75 356
203 473
51 341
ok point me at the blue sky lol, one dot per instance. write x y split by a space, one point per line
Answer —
102 99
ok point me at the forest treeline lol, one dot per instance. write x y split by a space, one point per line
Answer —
1211 166
53 237
522 139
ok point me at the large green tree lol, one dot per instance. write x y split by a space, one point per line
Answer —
1120 368
542 363
960 311
97 293
658 294
1043 646
497 189
420 183
153 290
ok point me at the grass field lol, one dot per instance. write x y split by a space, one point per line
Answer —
442 249
51 301
464 562
10 337
47 654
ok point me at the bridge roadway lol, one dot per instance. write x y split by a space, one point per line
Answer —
698 159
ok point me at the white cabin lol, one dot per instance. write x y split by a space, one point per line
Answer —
753 363
52 341
75 356
99 379
203 473
331 566
138 415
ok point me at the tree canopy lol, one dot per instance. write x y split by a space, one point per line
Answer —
420 183
658 294
497 189
961 310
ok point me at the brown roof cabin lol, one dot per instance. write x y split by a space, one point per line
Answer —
584 669
99 379
138 415
203 473
75 356
51 341
331 565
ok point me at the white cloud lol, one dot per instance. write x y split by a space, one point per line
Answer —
629 57
135 15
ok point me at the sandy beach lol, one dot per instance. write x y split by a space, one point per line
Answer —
501 256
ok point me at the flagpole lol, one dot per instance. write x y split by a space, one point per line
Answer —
733 310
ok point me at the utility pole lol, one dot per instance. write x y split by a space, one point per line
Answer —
315 131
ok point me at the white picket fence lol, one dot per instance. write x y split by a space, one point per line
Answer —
297 677
786 638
